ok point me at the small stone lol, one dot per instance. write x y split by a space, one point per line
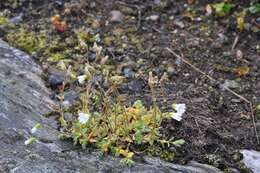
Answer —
171 71
116 16
92 57
16 19
58 4
66 105
136 85
154 17
222 38
56 80
239 54
230 84
157 2
179 24
198 19
97 79
92 4
171 17
128 72
70 96
68 117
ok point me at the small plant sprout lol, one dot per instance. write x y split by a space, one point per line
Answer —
222 8
178 143
241 21
3 20
35 128
128 162
30 141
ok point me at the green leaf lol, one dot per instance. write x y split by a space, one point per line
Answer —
30 141
127 161
138 137
222 8
227 7
36 127
3 20
254 9
178 143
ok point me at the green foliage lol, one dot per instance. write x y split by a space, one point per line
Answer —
254 9
222 8
3 20
178 143
27 41
117 127
56 57
128 162
86 36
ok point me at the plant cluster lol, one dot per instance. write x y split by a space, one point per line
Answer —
26 40
117 128
226 7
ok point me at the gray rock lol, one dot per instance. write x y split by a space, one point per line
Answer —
179 24
70 97
23 102
56 80
116 16
128 72
16 19
251 159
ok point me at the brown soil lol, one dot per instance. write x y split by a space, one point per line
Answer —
216 124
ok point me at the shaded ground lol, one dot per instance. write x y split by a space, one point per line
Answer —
216 124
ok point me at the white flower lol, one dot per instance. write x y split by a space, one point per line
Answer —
30 141
36 127
81 79
180 109
83 117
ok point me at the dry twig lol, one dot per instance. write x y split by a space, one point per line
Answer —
235 43
224 87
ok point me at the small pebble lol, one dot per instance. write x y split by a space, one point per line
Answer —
55 80
128 72
179 24
116 16
16 19
153 17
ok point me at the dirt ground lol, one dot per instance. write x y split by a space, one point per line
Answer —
216 124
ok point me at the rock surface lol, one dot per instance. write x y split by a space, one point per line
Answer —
24 101
251 158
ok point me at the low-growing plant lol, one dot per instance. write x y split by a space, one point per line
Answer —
254 9
222 8
117 128
3 20
26 40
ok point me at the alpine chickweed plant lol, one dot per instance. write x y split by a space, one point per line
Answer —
114 127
